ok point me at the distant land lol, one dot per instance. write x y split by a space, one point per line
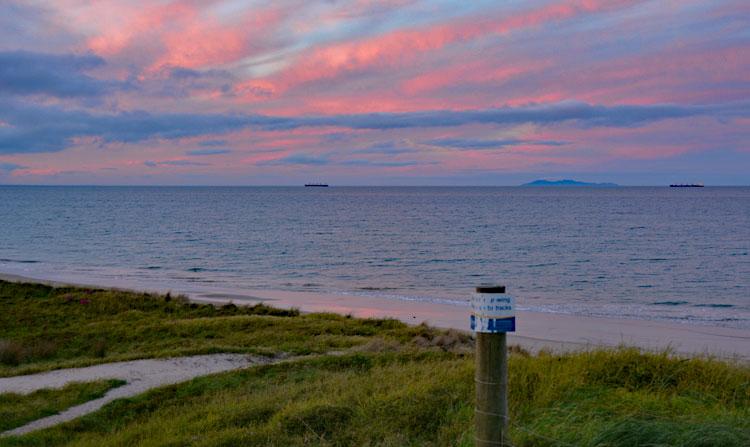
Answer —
567 182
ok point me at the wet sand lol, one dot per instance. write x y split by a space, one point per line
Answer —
535 330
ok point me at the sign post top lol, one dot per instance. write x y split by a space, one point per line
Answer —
490 289
492 311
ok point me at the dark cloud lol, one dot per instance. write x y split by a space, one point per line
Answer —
460 143
7 168
35 128
582 114
66 76
153 164
175 81
217 151
58 75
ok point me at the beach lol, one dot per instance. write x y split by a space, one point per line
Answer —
534 330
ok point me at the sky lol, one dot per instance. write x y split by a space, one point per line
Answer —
365 92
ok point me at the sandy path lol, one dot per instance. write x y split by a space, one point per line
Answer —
140 375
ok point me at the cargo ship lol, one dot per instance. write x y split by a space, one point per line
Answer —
316 185
687 185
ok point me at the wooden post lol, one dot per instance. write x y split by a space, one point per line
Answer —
491 373
491 379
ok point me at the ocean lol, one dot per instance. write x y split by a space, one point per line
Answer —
654 253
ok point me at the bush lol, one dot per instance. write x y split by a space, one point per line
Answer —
11 353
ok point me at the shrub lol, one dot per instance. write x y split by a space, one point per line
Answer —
11 353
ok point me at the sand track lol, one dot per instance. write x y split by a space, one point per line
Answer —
140 375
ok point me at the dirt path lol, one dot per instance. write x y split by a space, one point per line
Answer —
140 375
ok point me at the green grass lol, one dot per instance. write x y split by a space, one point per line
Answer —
44 328
394 385
425 397
18 409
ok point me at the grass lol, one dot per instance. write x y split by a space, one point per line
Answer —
44 328
393 386
18 409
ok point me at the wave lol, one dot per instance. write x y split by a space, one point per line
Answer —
19 261
411 298
547 264
377 288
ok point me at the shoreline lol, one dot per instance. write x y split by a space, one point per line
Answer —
535 330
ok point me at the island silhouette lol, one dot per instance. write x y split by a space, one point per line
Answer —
568 182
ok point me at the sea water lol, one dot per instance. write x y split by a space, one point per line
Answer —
676 254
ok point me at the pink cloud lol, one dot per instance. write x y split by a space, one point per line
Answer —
675 74
205 41
476 71
120 24
402 46
181 33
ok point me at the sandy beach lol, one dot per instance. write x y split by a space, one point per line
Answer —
535 330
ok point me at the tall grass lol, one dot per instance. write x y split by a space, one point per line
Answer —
627 397
419 396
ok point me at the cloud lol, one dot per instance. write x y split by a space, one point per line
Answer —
388 148
587 115
583 114
33 25
297 159
153 164
403 46
327 159
7 168
375 163
58 75
199 152
178 82
460 143
213 143
35 128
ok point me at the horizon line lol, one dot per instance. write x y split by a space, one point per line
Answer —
607 185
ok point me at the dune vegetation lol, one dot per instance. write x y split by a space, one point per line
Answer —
18 409
353 381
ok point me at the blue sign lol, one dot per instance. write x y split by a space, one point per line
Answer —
479 324
492 312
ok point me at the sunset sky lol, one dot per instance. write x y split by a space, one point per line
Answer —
395 92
